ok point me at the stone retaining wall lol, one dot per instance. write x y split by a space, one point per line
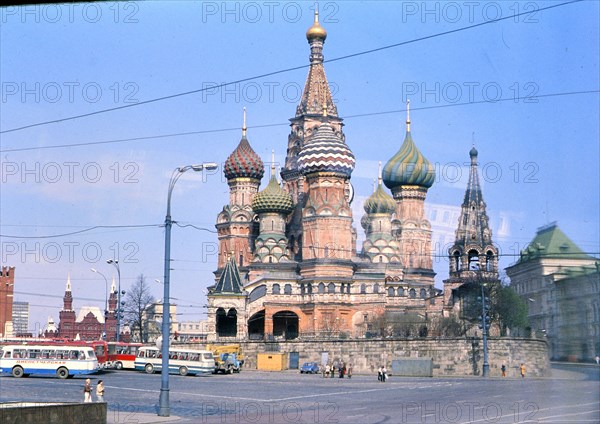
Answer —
451 356
52 413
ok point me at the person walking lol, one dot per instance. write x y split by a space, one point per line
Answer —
350 370
503 369
522 369
87 391
384 374
100 391
380 374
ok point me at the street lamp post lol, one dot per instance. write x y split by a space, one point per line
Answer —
115 263
164 410
105 299
485 325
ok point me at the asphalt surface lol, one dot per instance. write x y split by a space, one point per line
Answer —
571 395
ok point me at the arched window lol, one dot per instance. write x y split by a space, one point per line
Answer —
276 289
423 293
321 288
376 288
363 288
473 260
287 289
400 291
489 261
348 288
412 293
391 292
457 261
331 288
302 288
309 288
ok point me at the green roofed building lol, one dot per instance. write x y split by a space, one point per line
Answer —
561 285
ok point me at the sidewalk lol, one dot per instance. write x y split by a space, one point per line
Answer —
141 418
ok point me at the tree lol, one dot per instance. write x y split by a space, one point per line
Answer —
511 309
137 300
506 308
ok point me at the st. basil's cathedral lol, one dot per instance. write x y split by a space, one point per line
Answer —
288 264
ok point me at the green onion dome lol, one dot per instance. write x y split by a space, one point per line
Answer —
273 199
380 202
408 167
243 162
326 152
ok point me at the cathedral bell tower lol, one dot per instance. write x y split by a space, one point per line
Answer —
473 254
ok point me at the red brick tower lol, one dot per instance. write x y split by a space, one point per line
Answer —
7 284
67 328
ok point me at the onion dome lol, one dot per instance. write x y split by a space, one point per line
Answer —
473 152
380 201
273 198
326 152
243 162
316 31
408 167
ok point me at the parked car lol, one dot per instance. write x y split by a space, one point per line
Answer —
309 368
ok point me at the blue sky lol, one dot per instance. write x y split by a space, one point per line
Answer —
539 156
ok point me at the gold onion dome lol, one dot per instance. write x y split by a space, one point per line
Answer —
316 31
380 202
273 199
408 167
243 162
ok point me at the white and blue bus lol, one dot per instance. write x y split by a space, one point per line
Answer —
181 361
64 361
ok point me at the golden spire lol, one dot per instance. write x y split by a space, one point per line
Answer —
272 162
244 128
407 115
316 30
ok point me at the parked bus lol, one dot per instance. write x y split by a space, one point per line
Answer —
100 346
62 360
122 355
181 361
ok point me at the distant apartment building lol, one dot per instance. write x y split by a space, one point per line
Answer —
192 331
7 284
20 318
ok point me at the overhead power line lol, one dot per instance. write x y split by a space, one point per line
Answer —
85 230
286 70
152 137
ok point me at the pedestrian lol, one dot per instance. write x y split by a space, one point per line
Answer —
87 391
503 369
100 391
332 373
380 374
323 369
597 360
350 370
384 374
522 369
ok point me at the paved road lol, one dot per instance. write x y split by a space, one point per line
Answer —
570 396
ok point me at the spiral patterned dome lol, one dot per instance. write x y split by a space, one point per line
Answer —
326 152
408 167
380 202
243 162
273 199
